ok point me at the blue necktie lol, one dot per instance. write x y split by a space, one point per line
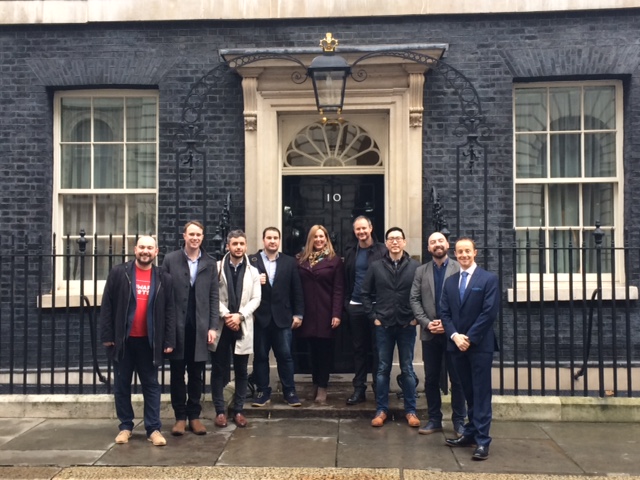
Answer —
463 284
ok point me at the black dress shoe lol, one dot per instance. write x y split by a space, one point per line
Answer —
480 453
356 397
463 441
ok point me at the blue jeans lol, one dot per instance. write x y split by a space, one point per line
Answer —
386 340
138 357
278 339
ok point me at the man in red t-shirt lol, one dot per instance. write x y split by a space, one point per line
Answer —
137 326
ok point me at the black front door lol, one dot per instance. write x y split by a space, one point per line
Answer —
333 201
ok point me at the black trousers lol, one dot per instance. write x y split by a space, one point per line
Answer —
365 354
185 397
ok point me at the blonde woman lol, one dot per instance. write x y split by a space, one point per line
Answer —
322 275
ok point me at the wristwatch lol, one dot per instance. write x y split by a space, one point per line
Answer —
241 317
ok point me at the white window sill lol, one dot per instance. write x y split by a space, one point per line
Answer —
74 300
564 293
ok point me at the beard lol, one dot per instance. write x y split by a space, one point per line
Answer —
439 253
146 260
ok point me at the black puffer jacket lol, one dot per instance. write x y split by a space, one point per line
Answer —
385 291
118 307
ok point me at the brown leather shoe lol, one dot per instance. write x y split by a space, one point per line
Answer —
240 420
196 426
179 428
379 419
221 420
412 420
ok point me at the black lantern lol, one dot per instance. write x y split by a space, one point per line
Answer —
329 74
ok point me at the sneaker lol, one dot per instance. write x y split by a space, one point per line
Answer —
123 436
292 399
379 419
157 439
458 428
412 420
262 399
431 427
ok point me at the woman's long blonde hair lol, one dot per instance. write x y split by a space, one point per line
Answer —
308 248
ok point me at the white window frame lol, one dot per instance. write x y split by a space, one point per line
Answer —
548 288
61 283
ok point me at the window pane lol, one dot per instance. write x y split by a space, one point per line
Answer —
591 260
110 214
565 155
531 156
141 119
563 206
599 108
108 166
78 214
103 255
600 154
108 114
598 204
76 120
530 206
531 110
72 264
527 252
75 166
142 214
565 253
141 166
564 106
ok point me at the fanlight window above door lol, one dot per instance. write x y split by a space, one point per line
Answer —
333 144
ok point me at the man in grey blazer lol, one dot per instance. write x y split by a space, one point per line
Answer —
425 303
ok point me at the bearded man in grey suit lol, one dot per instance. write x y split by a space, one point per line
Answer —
425 303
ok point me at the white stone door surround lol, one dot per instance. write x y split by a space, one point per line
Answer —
393 90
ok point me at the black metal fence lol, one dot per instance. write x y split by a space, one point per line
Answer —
565 327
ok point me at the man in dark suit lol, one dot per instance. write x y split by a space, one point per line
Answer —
469 307
195 289
426 293
280 311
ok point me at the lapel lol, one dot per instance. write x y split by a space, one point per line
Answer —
256 261
430 283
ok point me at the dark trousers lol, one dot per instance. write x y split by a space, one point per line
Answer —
474 370
321 353
220 369
278 339
434 351
185 398
138 357
365 353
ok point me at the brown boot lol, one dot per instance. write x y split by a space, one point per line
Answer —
321 396
179 428
197 427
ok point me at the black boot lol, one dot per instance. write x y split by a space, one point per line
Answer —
358 396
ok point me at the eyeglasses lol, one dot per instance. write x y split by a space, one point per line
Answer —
394 239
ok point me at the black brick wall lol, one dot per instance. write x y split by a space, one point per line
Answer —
490 50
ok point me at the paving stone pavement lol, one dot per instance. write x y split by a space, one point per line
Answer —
316 442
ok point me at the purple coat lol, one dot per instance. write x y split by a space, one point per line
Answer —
323 289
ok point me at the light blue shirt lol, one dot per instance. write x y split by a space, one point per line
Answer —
193 266
270 266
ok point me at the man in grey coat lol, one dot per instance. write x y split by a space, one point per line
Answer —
195 288
425 303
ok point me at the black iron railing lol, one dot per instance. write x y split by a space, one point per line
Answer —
564 327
